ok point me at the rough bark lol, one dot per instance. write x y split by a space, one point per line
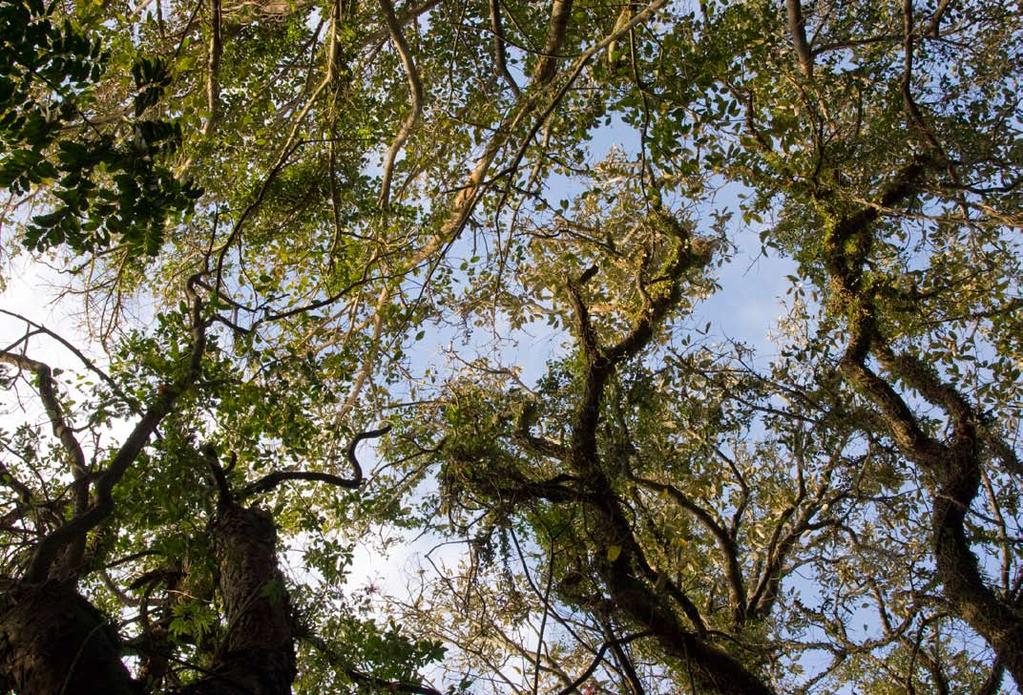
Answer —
256 656
53 641
711 668
648 598
999 622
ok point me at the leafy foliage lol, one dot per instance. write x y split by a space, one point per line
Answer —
512 245
108 184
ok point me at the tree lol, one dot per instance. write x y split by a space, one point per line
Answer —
314 196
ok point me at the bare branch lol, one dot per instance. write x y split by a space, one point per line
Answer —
415 92
272 480
797 29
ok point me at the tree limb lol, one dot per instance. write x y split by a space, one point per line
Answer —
608 644
272 480
500 59
213 68
797 30
557 28
725 542
89 364
72 448
103 504
415 92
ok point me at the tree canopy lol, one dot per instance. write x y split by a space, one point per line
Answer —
449 274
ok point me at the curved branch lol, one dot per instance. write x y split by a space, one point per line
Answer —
992 684
415 92
955 464
599 656
933 28
646 596
272 480
219 475
63 432
377 39
587 336
54 411
89 364
690 253
727 545
537 445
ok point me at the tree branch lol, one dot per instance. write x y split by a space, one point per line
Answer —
500 59
272 480
537 445
55 413
377 683
608 644
213 68
415 92
89 364
72 448
557 28
956 465
103 503
797 29
725 542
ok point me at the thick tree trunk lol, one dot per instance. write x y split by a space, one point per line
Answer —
257 655
53 641
997 620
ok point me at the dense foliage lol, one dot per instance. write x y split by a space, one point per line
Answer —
440 275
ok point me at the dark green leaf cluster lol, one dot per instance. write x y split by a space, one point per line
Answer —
109 184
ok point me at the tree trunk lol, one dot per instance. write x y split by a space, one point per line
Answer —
256 656
53 642
997 620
